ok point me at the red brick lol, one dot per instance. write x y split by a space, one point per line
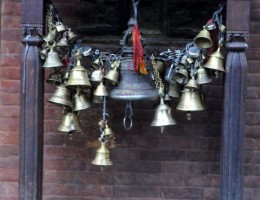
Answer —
136 191
254 27
11 21
197 181
9 162
253 105
11 8
12 86
181 193
11 34
8 188
11 47
252 132
252 181
253 52
7 150
255 14
9 125
12 60
9 112
253 67
9 197
12 73
211 194
9 138
248 194
10 99
9 175
253 92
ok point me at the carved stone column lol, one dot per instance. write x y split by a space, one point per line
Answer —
232 151
31 103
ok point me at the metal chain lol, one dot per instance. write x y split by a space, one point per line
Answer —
128 116
157 79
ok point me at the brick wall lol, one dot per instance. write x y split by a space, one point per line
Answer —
182 163
9 98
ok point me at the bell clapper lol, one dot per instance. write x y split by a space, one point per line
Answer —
189 115
216 74
70 136
162 129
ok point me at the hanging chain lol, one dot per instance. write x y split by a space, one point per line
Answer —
157 79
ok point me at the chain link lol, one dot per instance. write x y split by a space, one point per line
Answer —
157 79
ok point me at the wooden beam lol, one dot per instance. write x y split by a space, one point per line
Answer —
31 105
232 151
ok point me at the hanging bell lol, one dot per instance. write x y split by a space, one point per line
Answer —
163 116
80 101
112 76
72 37
60 27
54 79
192 84
78 77
194 52
69 123
52 60
50 37
190 101
203 76
180 75
203 39
174 90
102 156
96 75
66 123
108 131
132 86
101 90
43 53
63 43
215 61
61 96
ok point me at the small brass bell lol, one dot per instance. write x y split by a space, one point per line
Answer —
96 75
101 90
102 156
66 123
61 96
78 77
54 79
52 60
112 76
203 39
108 131
163 116
72 37
180 75
174 90
43 53
63 43
96 63
192 84
60 27
215 61
190 101
80 101
50 36
69 123
203 76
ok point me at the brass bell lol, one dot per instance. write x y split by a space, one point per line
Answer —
101 90
163 116
96 75
54 79
52 60
63 43
112 76
203 76
97 63
43 53
78 77
203 39
190 101
66 123
174 90
192 84
215 61
72 37
69 123
80 101
50 36
180 75
108 131
102 156
60 27
61 96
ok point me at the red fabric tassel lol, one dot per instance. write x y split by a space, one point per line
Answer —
139 65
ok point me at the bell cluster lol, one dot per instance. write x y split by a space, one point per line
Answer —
171 74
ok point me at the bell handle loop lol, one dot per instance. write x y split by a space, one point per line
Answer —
126 119
128 115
